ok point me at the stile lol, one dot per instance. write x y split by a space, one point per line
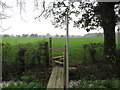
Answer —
58 76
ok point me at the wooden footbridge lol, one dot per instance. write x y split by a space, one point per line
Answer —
58 75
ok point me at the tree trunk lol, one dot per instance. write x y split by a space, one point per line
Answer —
108 24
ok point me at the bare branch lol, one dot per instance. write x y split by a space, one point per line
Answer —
36 5
42 11
3 16
3 29
21 4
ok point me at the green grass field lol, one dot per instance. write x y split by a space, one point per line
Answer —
75 45
15 41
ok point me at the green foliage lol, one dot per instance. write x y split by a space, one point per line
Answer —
93 52
26 82
12 53
88 15
26 78
23 84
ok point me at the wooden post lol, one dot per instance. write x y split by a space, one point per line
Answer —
65 68
46 54
50 41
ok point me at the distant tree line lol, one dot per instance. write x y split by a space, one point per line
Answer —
48 35
94 35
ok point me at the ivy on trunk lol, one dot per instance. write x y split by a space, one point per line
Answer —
107 16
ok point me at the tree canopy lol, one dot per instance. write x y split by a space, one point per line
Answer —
84 14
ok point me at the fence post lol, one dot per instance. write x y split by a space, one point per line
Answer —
50 41
46 54
65 68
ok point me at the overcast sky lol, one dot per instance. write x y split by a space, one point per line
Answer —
17 26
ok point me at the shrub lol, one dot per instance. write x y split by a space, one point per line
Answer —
21 59
29 53
23 84
93 52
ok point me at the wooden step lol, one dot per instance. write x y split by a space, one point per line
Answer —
58 62
58 57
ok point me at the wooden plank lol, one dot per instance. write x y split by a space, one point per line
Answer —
52 80
56 79
58 57
58 62
60 79
58 48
